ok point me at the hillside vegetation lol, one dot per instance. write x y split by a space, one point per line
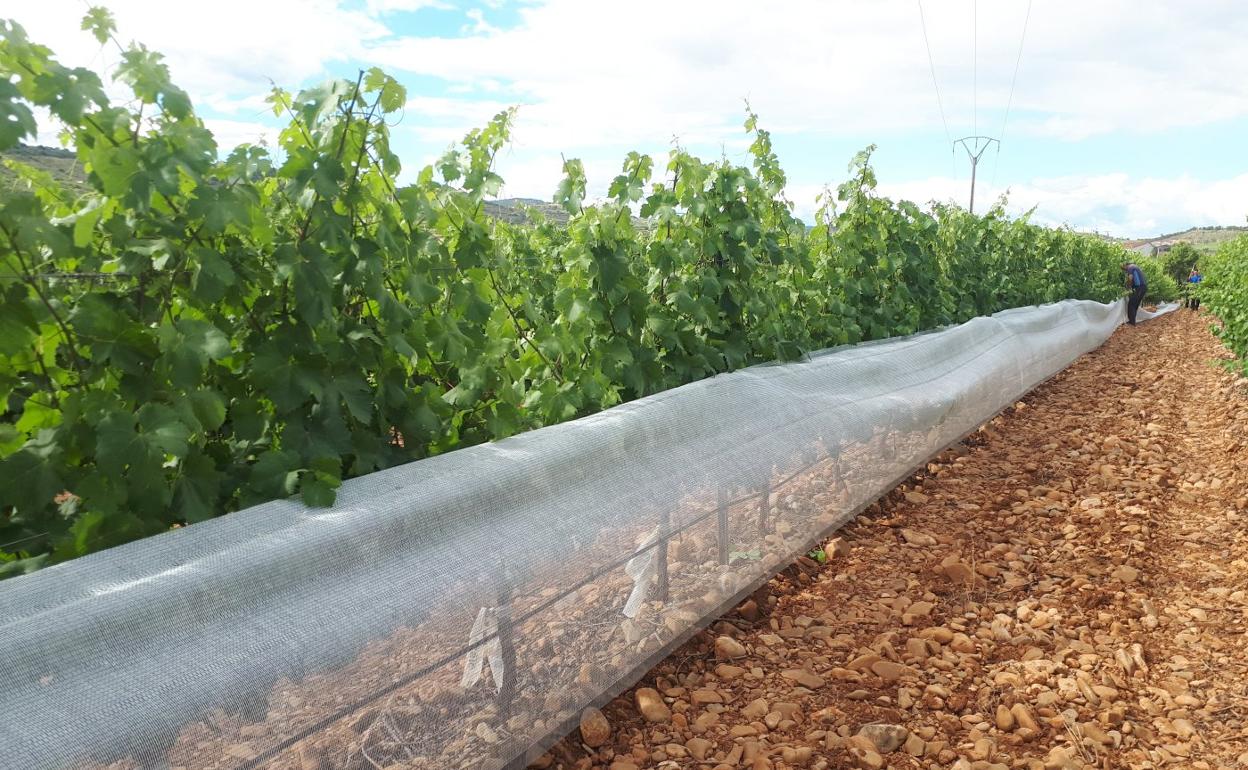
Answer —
1205 240
61 166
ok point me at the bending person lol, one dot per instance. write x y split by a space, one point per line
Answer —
1137 285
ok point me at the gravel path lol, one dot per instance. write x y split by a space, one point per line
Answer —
1066 589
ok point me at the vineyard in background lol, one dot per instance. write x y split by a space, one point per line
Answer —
1225 294
195 335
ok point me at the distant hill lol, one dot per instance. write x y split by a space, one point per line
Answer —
60 163
512 210
1204 239
64 167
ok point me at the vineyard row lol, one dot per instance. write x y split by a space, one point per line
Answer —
197 334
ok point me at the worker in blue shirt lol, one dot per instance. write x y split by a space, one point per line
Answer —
1137 285
1193 298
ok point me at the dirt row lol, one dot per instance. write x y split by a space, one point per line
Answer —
1066 589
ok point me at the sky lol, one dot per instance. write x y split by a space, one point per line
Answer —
1127 117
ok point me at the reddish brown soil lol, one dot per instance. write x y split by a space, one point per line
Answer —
1080 563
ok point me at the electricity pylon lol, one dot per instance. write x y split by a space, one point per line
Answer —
974 154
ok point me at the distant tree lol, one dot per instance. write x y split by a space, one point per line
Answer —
1179 260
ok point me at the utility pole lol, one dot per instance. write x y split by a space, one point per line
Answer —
974 151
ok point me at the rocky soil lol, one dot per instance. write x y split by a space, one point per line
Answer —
1066 589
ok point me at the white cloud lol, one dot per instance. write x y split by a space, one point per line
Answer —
1118 204
231 133
1067 128
479 25
49 128
1087 68
607 69
1128 206
595 79
472 112
381 7
224 54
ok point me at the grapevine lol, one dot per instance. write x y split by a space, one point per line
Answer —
1224 292
197 334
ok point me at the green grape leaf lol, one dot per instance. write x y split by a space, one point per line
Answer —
318 489
16 119
208 408
196 489
32 476
99 22
188 346
571 191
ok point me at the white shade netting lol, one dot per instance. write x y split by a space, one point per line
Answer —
459 611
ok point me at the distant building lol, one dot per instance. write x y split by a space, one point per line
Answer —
1150 248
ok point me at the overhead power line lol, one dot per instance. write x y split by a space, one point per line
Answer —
975 65
976 144
1013 81
932 66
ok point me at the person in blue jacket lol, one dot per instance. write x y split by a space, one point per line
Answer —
1193 298
1137 285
